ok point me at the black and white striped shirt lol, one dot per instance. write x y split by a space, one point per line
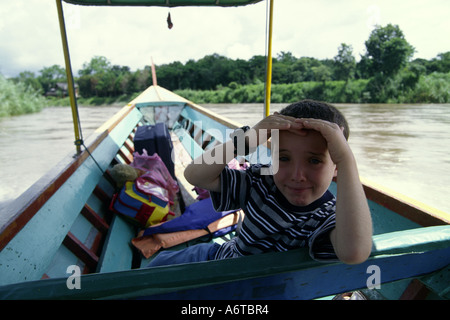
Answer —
271 223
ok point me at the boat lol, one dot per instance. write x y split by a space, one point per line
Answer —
60 240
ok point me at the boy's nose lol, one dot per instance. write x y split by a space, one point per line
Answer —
298 173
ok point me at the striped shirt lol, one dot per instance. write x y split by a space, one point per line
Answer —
271 223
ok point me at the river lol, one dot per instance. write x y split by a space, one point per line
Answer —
402 147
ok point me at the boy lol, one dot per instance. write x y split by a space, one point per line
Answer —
292 207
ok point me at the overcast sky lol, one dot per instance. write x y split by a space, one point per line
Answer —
127 36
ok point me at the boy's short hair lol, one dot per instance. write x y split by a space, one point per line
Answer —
317 110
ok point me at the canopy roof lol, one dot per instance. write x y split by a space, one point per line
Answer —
164 3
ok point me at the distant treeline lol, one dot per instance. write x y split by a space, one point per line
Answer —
384 74
433 88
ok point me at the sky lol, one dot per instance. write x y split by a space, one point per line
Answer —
130 36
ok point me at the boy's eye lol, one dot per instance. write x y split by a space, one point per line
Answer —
283 158
314 161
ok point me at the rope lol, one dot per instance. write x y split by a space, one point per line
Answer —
80 142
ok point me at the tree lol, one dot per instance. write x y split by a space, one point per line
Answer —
257 67
322 73
101 79
29 80
50 76
387 53
142 79
344 63
98 64
170 75
441 63
387 50
303 68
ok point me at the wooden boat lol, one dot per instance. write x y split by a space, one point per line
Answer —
64 220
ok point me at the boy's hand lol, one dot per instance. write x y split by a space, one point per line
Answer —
337 144
277 121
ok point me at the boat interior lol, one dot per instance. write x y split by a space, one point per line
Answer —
71 206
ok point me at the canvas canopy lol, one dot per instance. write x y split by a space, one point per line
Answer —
164 3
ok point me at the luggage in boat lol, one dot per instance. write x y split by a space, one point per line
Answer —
155 139
199 219
143 202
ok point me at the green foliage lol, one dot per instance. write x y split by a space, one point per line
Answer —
434 88
388 50
345 63
384 74
18 98
332 91
50 76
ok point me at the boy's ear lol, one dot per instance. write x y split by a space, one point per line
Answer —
335 172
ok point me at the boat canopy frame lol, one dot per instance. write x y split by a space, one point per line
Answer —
161 3
165 3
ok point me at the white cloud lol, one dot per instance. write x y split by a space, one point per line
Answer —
30 40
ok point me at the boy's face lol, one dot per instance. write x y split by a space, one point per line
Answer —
305 167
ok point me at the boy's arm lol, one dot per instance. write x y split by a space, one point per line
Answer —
204 171
352 236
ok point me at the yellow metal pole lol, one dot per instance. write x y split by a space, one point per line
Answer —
70 83
269 62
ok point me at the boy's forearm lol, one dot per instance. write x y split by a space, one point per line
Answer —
352 237
204 171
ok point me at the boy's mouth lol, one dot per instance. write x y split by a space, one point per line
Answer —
298 189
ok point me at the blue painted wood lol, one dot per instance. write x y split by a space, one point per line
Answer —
28 255
188 143
207 123
318 282
213 128
62 259
384 220
117 253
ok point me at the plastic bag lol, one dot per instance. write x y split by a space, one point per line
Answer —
155 171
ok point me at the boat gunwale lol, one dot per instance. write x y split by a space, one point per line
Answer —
22 210
404 206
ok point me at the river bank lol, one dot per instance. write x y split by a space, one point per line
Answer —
433 88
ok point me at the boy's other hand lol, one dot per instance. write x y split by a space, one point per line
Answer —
337 144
